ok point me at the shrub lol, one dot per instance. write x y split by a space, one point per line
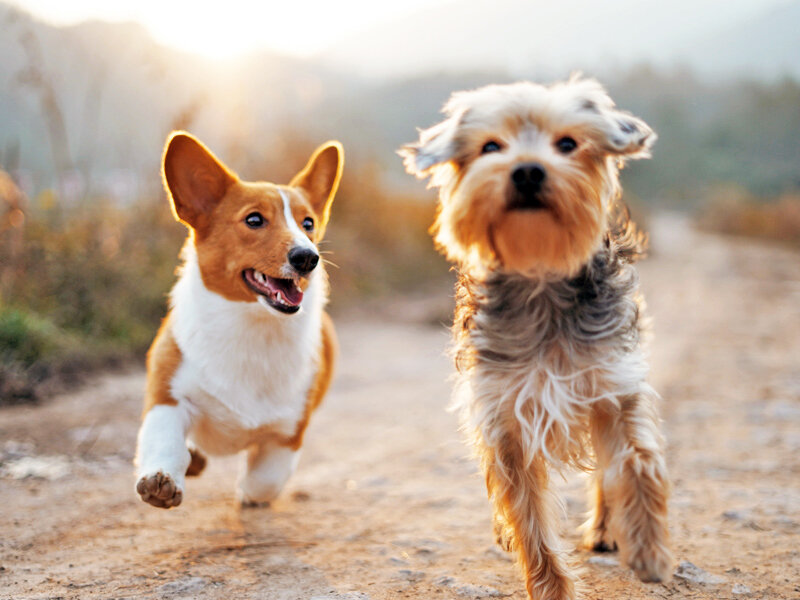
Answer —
733 211
89 282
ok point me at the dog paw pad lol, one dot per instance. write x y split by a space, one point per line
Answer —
160 490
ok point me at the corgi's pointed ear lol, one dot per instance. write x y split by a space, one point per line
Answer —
320 180
194 178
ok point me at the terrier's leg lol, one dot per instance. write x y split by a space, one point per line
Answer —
161 455
265 472
635 484
525 503
596 536
502 532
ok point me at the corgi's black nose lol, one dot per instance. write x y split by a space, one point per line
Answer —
304 260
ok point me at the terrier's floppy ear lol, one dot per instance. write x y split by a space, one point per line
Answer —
436 145
616 132
320 179
195 179
626 136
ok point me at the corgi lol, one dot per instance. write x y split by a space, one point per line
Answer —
246 352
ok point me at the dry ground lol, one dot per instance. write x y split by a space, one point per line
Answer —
387 502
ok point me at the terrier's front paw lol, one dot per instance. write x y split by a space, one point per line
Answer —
159 489
652 564
502 535
598 539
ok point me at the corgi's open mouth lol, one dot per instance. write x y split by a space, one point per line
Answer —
281 294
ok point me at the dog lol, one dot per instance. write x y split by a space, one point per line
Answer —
246 352
548 321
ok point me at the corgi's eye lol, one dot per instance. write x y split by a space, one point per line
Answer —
255 220
490 146
566 145
308 224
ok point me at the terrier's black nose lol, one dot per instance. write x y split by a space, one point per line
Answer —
528 178
304 260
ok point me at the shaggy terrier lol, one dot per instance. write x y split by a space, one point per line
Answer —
549 318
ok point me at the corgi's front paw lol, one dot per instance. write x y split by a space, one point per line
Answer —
159 489
256 496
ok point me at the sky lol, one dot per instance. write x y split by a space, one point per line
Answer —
299 27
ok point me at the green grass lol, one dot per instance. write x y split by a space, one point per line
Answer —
34 350
27 339
80 287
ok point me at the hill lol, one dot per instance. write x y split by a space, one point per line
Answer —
85 109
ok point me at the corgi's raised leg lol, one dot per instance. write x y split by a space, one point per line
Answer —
197 462
265 471
162 457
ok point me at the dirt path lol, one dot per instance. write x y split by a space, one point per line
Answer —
387 503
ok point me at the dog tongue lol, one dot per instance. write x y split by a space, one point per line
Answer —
288 290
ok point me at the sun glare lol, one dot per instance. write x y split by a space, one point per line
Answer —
234 27
243 27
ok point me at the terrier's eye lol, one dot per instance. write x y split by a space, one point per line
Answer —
308 224
490 146
255 220
566 145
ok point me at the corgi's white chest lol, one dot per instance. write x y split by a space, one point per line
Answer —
243 367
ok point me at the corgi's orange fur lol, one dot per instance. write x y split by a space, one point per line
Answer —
246 353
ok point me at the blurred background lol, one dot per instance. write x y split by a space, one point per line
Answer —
89 91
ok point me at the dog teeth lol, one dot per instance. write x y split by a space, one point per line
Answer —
260 277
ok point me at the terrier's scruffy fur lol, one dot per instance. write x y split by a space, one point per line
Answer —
549 318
